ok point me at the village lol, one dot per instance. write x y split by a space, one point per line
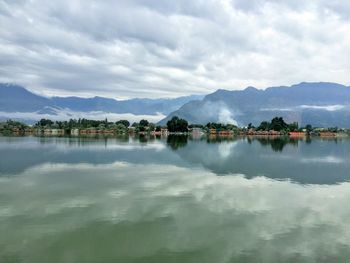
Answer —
276 128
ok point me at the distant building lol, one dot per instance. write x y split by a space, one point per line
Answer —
327 134
131 129
297 134
197 131
212 131
74 132
225 133
53 132
272 132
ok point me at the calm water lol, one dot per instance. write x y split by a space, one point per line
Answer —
174 200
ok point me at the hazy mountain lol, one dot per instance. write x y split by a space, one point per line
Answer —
134 106
15 99
319 104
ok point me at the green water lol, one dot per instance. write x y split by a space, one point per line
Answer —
174 200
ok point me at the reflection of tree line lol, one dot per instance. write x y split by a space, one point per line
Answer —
176 141
277 143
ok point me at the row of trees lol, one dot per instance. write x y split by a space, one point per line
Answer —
175 124
145 125
9 126
121 125
80 124
276 124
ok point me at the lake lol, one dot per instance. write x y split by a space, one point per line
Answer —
174 199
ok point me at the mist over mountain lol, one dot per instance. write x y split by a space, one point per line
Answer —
18 103
320 104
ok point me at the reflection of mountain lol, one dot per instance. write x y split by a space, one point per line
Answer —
319 104
315 162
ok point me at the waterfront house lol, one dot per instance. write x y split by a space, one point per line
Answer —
212 131
53 132
74 132
225 133
197 131
164 130
327 134
297 134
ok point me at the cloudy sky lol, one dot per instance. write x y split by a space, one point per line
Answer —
168 48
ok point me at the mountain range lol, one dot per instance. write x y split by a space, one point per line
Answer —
18 103
321 104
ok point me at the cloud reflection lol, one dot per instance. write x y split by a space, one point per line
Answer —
258 217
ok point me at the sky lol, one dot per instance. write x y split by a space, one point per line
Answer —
165 48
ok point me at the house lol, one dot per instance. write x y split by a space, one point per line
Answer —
225 133
197 131
74 132
297 134
164 130
327 134
16 130
132 130
53 132
108 132
212 131
274 133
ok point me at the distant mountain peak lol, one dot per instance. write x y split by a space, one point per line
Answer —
327 104
251 89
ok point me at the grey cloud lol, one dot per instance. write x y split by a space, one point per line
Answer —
142 48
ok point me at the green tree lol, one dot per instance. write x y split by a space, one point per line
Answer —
44 122
177 125
144 123
124 122
308 128
264 126
293 127
121 128
278 124
151 126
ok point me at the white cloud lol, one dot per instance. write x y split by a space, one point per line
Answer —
164 48
326 107
65 114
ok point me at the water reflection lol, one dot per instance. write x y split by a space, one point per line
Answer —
277 144
164 213
148 199
300 160
177 141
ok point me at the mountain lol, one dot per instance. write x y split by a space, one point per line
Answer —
18 103
15 98
320 104
134 106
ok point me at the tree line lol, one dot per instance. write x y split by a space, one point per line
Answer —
175 124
